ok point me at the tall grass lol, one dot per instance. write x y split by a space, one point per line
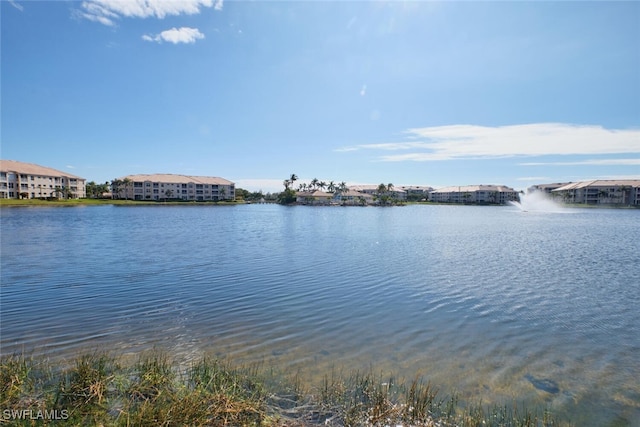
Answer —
98 389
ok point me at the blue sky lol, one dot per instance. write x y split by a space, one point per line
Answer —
411 93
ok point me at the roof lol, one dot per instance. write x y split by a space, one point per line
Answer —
600 183
354 193
474 188
33 169
316 193
374 188
551 186
169 178
416 188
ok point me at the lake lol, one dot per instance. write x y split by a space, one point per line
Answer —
497 304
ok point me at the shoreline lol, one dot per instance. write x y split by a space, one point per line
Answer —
10 203
99 387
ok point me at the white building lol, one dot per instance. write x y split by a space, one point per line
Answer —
396 193
474 194
601 192
19 180
173 187
418 192
547 188
352 197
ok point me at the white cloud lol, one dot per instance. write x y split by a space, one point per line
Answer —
107 11
176 35
16 5
591 162
538 139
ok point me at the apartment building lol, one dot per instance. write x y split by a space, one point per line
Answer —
547 188
173 187
474 194
601 192
19 180
396 193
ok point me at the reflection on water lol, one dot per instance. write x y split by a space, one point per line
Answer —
495 304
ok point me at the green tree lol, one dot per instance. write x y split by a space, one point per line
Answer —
116 187
127 184
287 197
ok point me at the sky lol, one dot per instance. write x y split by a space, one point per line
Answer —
409 93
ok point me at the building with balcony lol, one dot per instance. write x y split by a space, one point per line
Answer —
601 192
395 192
19 180
547 188
173 187
475 194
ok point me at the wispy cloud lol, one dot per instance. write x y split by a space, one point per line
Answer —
108 11
16 5
538 139
591 162
176 35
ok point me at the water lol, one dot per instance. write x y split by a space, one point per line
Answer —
538 201
496 303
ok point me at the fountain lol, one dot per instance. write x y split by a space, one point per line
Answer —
537 201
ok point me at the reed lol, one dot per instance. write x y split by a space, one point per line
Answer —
99 389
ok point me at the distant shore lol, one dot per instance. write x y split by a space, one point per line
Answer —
122 202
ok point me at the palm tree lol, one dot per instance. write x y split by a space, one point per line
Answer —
331 187
116 187
167 194
381 194
126 183
322 185
293 178
57 191
314 183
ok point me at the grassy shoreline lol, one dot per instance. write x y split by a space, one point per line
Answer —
116 202
99 388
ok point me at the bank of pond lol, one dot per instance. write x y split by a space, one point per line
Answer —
100 388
